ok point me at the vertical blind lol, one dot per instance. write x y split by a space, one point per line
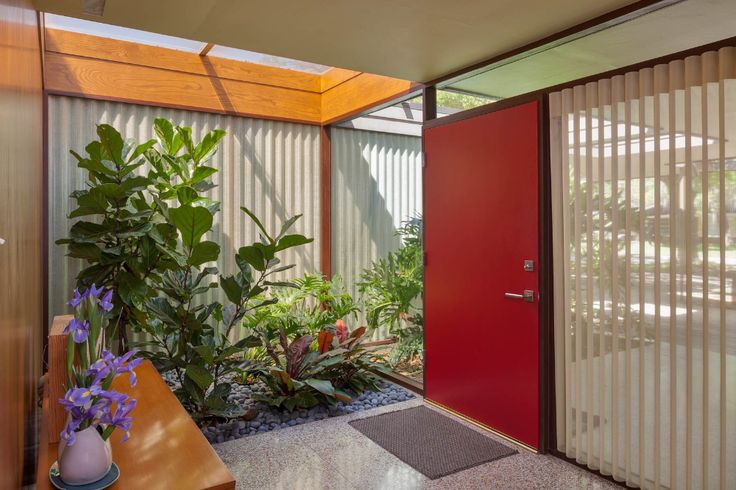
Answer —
644 217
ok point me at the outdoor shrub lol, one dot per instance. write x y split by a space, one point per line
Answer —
392 291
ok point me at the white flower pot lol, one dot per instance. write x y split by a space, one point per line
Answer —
87 460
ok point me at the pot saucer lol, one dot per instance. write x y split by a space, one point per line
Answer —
104 482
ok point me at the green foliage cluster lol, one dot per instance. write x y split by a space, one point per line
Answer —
392 291
146 241
305 307
123 230
302 373
308 354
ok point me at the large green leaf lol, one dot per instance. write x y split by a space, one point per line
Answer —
94 198
137 230
205 352
199 375
253 256
208 145
94 166
204 252
257 222
131 287
233 290
161 308
140 150
192 223
321 385
168 138
112 190
135 184
186 137
287 224
186 194
112 143
88 251
200 173
85 231
290 241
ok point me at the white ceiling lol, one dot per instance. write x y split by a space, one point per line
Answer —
672 29
416 40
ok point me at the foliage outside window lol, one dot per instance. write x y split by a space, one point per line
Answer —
392 291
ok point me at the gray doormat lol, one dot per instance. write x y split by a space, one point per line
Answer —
429 442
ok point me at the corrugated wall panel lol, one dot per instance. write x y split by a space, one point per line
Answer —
270 167
376 185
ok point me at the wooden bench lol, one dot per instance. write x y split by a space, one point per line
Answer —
166 449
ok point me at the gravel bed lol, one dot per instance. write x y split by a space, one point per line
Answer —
270 418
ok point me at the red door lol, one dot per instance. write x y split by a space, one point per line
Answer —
481 225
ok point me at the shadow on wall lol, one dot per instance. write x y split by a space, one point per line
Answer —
280 210
376 186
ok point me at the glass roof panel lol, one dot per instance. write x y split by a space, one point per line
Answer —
81 26
267 59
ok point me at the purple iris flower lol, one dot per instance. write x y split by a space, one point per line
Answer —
76 397
106 301
77 299
94 291
112 396
98 409
78 329
109 364
121 418
68 435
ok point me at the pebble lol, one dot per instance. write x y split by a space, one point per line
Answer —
270 418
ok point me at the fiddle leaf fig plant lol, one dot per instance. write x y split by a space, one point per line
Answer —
123 230
191 337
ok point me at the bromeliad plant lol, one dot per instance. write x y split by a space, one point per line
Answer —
91 369
302 375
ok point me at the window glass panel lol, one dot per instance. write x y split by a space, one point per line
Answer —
632 41
267 59
121 33
451 101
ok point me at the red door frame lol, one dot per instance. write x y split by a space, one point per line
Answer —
546 395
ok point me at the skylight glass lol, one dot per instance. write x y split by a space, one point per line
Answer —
121 33
267 59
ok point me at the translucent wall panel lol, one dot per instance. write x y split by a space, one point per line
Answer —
270 167
376 185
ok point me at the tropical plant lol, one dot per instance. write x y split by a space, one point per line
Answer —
124 232
302 376
392 289
191 337
305 306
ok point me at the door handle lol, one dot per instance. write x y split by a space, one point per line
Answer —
527 295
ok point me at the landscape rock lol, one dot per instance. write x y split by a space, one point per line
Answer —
260 418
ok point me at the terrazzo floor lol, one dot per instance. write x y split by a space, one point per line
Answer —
330 454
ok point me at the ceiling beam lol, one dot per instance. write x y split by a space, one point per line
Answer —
208 47
82 65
